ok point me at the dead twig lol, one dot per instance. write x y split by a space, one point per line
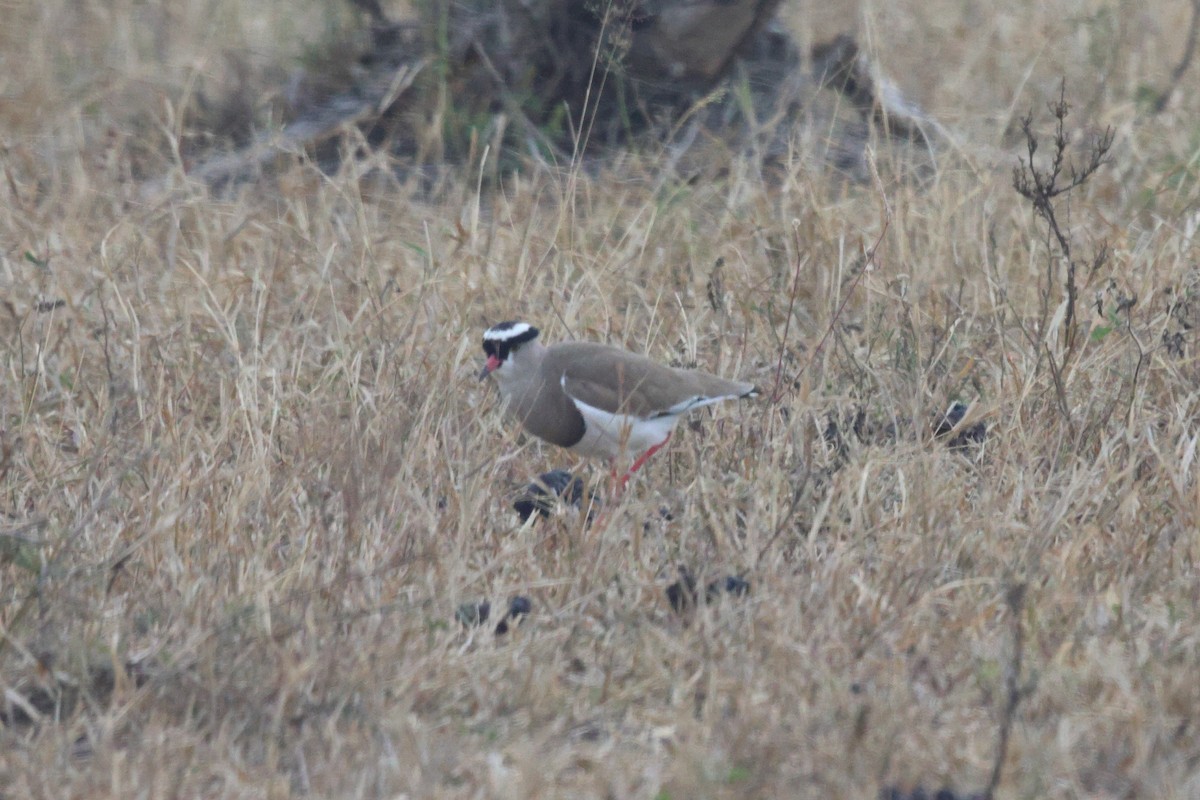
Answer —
1185 61
868 259
1043 186
1013 692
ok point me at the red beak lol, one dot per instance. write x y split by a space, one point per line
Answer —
492 363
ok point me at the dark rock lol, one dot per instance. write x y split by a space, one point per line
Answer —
730 585
952 417
518 607
62 694
971 434
471 614
682 594
919 793
541 495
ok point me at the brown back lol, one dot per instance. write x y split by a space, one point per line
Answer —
618 381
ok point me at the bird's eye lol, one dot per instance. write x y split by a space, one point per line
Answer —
514 347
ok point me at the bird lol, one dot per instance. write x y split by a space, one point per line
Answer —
595 400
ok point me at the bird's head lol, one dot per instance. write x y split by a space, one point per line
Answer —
500 342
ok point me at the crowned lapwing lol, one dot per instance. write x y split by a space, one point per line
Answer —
596 400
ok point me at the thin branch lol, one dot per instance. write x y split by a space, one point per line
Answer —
1189 51
1015 599
869 259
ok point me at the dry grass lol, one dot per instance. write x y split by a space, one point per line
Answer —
257 475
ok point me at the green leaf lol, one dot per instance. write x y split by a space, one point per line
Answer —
737 775
1146 97
1100 331
21 552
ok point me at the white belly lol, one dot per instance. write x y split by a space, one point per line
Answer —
618 435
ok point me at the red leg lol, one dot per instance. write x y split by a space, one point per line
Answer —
646 455
643 459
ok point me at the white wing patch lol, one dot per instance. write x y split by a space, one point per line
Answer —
608 435
699 401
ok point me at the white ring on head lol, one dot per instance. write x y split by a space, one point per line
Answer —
506 334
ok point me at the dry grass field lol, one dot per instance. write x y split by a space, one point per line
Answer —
248 472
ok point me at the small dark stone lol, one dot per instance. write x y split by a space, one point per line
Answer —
730 585
972 433
682 593
919 793
471 614
952 417
833 434
1174 343
541 495
518 607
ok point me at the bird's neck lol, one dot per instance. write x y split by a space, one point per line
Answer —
524 375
